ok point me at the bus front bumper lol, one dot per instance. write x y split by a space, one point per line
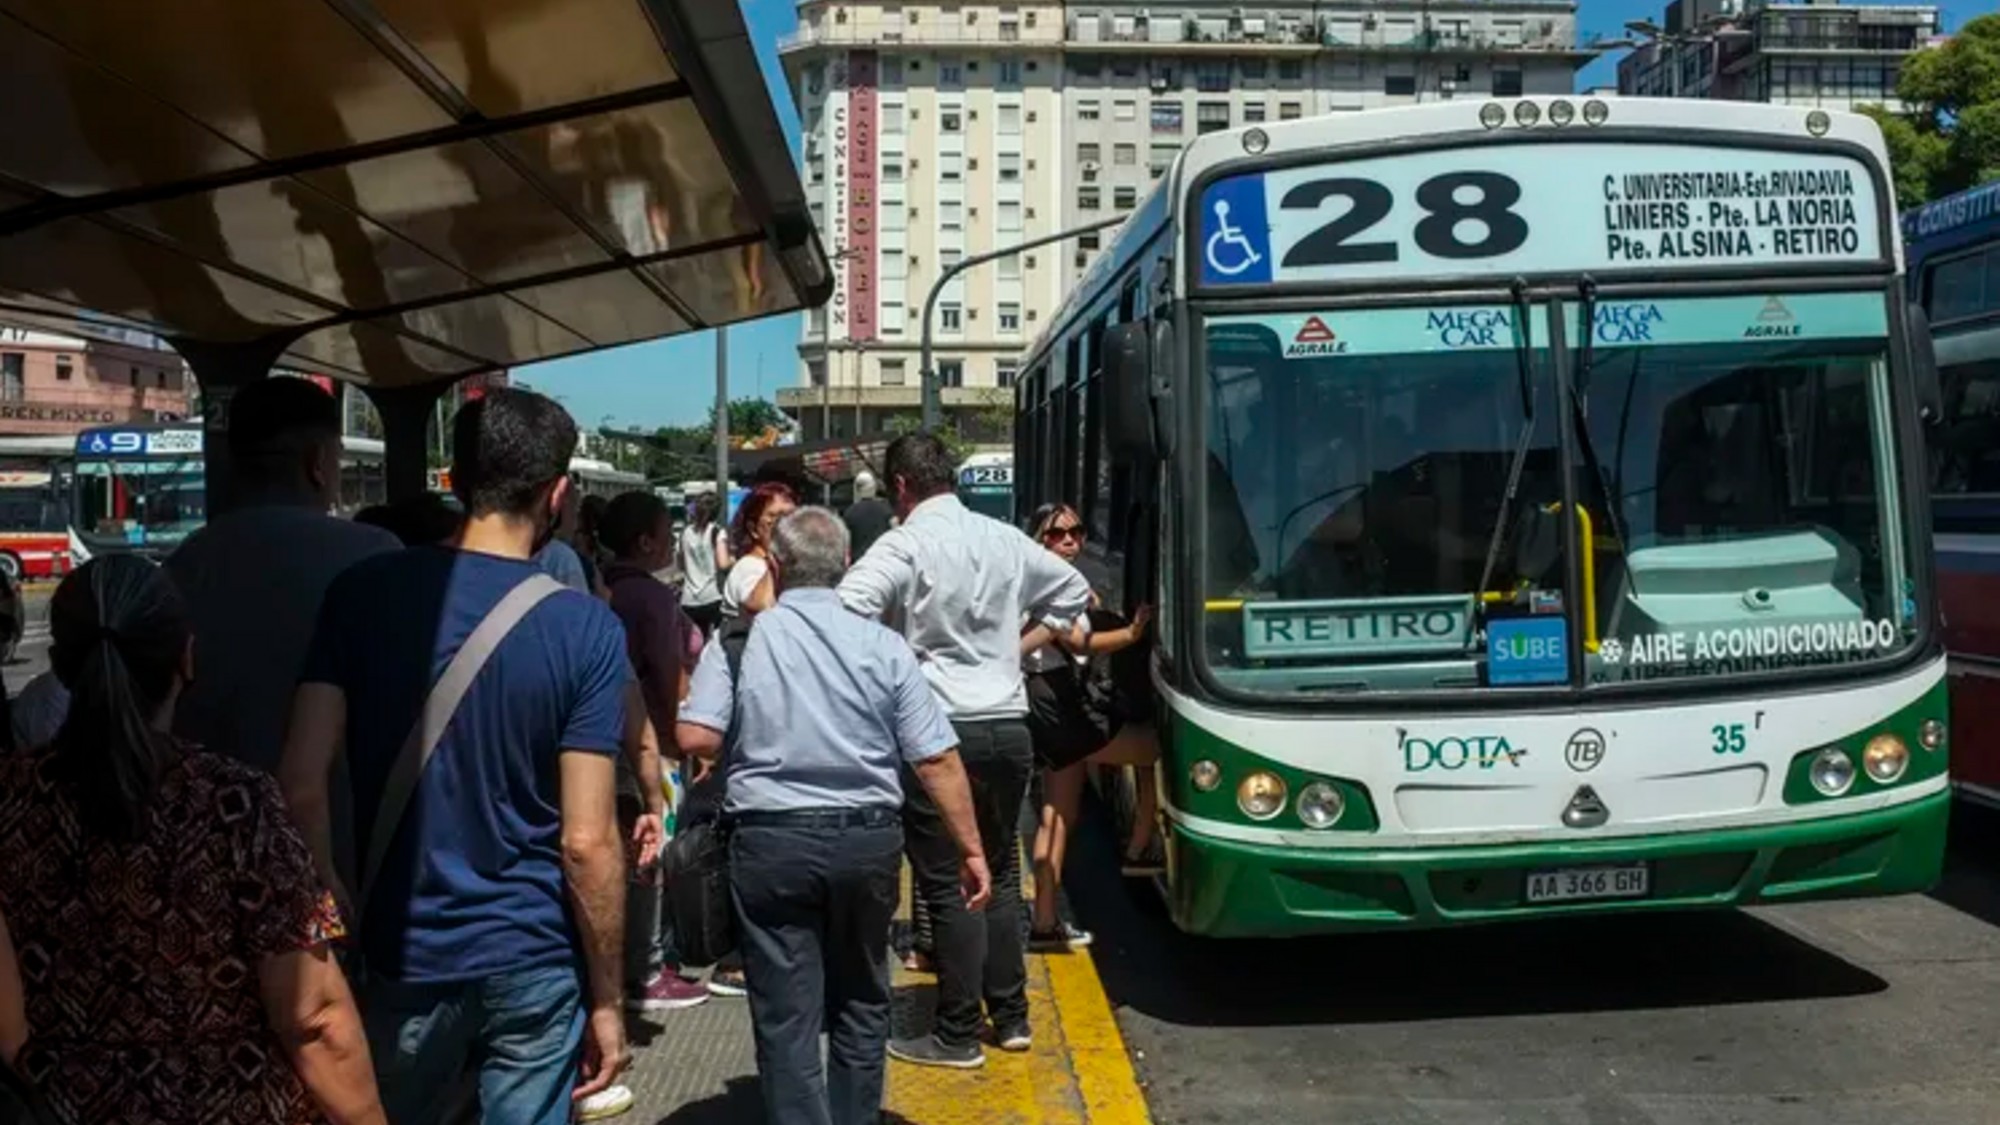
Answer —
1223 888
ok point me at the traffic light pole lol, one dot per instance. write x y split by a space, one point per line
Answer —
933 396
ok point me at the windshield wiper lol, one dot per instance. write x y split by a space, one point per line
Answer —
1579 387
1523 360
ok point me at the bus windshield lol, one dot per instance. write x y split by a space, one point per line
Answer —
139 503
1386 504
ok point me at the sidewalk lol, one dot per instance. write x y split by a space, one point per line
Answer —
698 1067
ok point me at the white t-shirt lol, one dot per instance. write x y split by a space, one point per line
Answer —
743 579
697 550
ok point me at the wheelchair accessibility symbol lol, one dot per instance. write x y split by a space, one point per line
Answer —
1229 251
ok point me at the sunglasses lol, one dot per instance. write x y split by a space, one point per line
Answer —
1057 534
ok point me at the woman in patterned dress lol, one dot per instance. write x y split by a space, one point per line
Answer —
171 933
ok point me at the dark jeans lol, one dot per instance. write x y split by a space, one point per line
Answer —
977 955
813 907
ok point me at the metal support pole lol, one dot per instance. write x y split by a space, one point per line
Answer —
933 398
722 418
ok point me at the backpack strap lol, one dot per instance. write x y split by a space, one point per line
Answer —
435 717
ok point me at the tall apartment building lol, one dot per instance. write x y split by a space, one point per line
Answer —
1801 52
935 131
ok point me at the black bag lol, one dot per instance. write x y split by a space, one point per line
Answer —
695 864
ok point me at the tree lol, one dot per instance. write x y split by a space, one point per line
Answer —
1950 138
750 418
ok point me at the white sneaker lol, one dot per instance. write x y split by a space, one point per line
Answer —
606 1104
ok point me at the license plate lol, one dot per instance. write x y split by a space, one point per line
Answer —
1578 884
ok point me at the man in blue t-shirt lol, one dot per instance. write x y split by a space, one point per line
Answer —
506 868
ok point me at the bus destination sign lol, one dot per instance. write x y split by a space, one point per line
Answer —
1351 627
1527 209
138 443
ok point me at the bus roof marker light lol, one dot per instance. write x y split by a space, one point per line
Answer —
1832 772
1256 141
1595 112
1526 113
1493 115
1817 123
1885 758
1931 734
1561 112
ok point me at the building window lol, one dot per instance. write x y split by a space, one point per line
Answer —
895 266
951 120
816 372
1211 117
1010 120
1125 66
816 323
1010 218
1167 117
1212 76
1125 109
1291 70
1089 152
1086 66
160 379
951 318
951 74
1124 197
892 216
1090 241
892 117
1010 317
1010 73
13 376
951 167
1010 267
63 370
1506 83
1163 157
1088 199
892 372
1125 155
1399 85
1253 112
1005 372
1288 111
951 372
892 170
951 216
1087 109
135 376
1010 167
1255 69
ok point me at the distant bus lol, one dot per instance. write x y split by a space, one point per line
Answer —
1954 273
597 478
34 506
144 489
986 484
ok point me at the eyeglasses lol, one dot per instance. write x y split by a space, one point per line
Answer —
1058 534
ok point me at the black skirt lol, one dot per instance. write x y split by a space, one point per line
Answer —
1067 721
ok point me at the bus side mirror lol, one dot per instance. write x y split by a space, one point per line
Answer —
1924 366
1128 391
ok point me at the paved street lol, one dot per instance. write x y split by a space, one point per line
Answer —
32 658
1866 1012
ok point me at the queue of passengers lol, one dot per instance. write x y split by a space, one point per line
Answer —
358 821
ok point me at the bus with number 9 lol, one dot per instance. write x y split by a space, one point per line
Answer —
1533 496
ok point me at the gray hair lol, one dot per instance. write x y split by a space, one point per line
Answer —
810 546
864 485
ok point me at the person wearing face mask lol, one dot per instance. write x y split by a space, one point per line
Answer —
254 576
482 708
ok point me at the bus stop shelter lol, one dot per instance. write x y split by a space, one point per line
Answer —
398 193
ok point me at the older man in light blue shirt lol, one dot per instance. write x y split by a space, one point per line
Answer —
825 710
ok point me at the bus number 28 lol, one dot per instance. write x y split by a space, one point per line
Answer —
1448 201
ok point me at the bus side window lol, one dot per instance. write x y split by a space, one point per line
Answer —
1967 445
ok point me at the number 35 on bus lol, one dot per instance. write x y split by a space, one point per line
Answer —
1533 497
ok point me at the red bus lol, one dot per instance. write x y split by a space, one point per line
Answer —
34 507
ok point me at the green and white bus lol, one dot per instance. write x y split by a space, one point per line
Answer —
1533 496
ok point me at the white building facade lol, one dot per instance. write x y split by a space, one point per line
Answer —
933 132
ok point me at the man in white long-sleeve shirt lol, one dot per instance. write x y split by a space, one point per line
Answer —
959 586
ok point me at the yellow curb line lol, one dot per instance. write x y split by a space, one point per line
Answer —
1103 1067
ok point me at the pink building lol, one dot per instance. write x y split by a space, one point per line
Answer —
51 384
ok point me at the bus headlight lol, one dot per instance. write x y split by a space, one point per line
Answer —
1832 772
1261 795
1931 734
1885 758
1320 805
1205 775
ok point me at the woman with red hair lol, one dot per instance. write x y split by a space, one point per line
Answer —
748 590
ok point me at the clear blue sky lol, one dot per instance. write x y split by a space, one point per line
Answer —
672 382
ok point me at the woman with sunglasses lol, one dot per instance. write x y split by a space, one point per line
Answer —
1080 719
748 589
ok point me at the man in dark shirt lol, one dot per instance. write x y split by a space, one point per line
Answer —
869 516
507 860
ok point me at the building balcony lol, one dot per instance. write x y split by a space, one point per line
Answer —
885 35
